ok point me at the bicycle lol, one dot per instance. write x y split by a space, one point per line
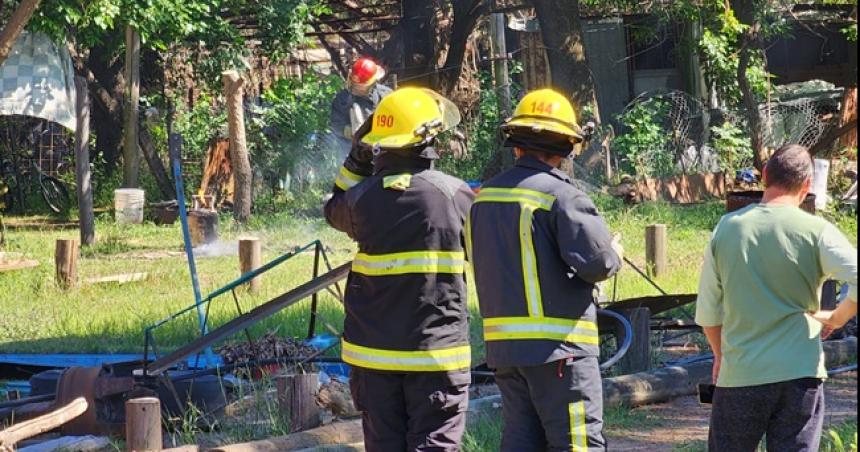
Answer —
52 190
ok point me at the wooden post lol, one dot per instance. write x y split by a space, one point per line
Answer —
655 249
238 148
638 357
250 258
297 396
83 175
130 154
143 425
499 56
66 261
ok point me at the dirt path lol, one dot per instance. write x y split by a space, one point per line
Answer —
682 424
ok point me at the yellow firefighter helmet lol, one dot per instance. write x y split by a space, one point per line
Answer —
544 110
410 117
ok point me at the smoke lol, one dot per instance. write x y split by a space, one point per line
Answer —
218 248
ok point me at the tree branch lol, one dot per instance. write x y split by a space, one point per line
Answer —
16 24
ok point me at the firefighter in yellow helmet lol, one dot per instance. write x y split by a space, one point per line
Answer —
538 247
406 333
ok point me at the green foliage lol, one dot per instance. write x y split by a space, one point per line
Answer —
733 146
719 46
482 130
162 23
643 146
290 141
840 438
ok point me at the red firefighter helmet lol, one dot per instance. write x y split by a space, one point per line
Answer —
365 72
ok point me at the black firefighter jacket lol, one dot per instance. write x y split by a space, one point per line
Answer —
406 299
538 247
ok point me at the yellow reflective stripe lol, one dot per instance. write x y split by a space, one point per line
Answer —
445 359
578 433
399 182
346 179
513 328
520 195
531 283
529 201
410 262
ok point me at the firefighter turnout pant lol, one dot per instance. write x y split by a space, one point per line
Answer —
417 411
556 406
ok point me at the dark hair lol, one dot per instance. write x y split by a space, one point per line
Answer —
543 156
789 167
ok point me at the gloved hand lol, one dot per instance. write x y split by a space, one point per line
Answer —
616 246
361 155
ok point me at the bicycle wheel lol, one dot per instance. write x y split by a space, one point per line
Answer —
55 194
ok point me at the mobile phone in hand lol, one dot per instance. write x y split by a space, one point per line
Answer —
706 393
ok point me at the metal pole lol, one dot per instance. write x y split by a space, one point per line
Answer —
175 147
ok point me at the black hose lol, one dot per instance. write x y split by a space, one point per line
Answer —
625 344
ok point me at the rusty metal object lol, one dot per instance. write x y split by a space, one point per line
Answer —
740 199
79 382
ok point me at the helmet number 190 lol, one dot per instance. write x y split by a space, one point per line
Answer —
543 107
386 121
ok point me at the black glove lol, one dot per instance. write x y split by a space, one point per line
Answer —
360 159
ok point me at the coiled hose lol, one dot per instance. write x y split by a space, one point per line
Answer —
625 344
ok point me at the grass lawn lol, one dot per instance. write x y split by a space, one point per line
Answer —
37 316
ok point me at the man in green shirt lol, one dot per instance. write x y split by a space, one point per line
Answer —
760 283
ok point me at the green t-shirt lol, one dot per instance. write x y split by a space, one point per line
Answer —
763 273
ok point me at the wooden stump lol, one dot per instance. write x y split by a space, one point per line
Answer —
655 249
638 357
297 396
250 258
203 225
143 424
66 261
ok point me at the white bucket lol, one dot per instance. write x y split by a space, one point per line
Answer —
128 205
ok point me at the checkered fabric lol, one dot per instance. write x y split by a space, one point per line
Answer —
38 80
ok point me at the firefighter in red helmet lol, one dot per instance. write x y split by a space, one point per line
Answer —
353 105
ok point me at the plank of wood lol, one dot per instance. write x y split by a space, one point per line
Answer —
42 424
7 266
119 279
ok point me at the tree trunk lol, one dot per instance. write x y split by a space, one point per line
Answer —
466 15
419 49
563 38
562 34
131 154
238 148
156 166
16 24
750 44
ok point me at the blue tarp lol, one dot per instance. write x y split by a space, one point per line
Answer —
85 360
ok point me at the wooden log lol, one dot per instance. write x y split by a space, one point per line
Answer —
24 412
655 249
233 86
297 396
250 258
347 432
42 424
83 173
131 154
7 266
638 357
143 424
66 262
839 352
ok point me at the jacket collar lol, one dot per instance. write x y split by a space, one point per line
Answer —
390 163
530 162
